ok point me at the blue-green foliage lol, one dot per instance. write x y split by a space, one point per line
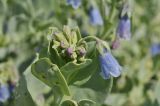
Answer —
74 80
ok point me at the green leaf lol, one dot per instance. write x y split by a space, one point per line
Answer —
72 71
43 52
157 92
22 96
85 73
36 87
50 74
84 95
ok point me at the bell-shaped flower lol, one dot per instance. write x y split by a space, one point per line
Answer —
4 93
109 65
124 28
95 16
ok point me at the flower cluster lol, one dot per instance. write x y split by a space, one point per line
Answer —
66 43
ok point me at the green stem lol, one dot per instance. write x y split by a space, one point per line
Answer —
112 10
110 86
88 38
107 27
58 95
103 10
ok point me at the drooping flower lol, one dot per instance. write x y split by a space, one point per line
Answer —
109 65
155 49
124 28
74 3
95 16
4 93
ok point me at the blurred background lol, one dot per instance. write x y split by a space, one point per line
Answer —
23 32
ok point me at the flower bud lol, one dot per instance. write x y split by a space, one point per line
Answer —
66 44
70 51
81 51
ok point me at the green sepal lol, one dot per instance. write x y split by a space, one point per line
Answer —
54 55
78 33
101 46
60 37
74 38
67 33
50 74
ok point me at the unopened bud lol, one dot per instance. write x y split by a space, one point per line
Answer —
82 52
70 51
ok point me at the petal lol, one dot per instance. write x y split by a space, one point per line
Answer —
4 93
104 72
124 28
112 65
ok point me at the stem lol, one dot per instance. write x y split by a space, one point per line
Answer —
58 95
103 10
110 86
88 38
112 10
110 18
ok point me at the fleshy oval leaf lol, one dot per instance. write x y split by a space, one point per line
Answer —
50 74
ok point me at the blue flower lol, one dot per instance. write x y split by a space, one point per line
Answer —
4 93
75 3
109 66
155 49
124 28
95 16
